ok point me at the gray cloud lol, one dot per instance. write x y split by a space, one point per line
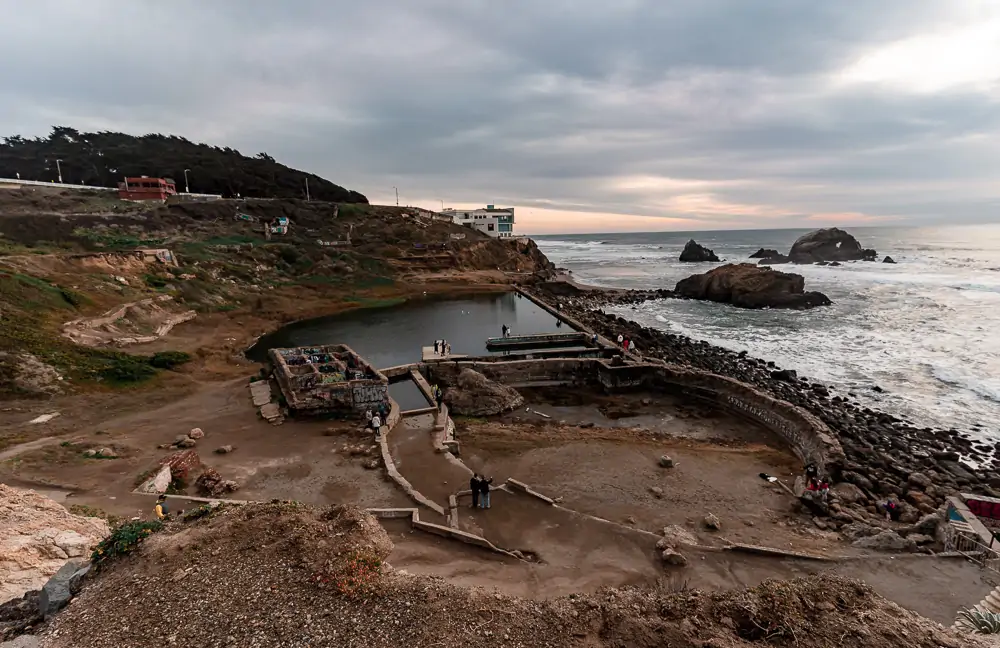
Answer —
727 112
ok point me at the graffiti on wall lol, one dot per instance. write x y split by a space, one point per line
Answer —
764 416
369 395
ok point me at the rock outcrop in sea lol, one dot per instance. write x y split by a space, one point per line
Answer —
748 286
765 253
828 244
695 253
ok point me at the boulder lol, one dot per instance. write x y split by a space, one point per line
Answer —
55 593
694 253
666 462
828 244
676 536
765 253
749 286
886 541
182 464
785 375
212 484
187 442
920 480
76 580
712 522
476 395
196 433
848 493
888 259
226 449
656 491
159 482
18 614
672 557
858 530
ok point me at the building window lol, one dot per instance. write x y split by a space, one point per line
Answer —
490 227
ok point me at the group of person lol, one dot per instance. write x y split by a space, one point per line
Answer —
441 347
816 484
480 487
376 419
626 344
505 331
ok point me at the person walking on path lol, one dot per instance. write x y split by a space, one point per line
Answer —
484 492
377 427
438 397
474 486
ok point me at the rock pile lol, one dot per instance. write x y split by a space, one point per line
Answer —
476 395
749 286
37 537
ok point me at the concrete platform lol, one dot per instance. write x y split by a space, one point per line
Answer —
427 354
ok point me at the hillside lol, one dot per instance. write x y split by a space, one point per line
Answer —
103 159
292 575
71 256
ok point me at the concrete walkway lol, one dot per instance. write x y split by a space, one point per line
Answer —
411 444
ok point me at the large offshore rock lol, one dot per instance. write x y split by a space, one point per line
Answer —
828 244
694 253
749 286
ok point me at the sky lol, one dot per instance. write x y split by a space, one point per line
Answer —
586 116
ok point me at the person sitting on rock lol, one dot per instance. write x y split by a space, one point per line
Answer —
824 488
484 492
892 511
161 510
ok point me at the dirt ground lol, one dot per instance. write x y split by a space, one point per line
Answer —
299 460
609 470
934 588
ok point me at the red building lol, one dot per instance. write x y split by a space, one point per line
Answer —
146 188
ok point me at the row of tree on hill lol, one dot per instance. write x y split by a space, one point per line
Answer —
106 158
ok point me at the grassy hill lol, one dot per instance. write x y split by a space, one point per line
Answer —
104 158
67 255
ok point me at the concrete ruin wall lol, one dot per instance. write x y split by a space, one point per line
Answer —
806 435
305 388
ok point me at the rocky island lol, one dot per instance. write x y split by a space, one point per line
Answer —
695 253
748 286
828 245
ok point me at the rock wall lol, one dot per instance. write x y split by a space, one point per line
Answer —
805 434
37 537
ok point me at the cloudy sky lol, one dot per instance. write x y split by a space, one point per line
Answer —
586 115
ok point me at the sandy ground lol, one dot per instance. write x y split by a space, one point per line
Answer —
298 460
934 588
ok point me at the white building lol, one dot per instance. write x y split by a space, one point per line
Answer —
498 223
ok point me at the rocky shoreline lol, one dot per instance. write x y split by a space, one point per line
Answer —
887 456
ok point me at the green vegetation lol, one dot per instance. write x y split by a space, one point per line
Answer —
169 359
123 541
980 621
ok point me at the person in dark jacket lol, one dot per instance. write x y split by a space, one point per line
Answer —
484 492
474 487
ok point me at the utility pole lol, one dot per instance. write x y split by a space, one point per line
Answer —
187 186
442 203
397 196
59 170
307 188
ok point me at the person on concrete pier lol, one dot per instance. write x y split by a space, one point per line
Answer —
474 487
435 346
484 492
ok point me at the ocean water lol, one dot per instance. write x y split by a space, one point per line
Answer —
926 330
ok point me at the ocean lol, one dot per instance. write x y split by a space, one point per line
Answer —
925 330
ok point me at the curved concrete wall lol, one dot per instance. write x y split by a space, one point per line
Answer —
806 435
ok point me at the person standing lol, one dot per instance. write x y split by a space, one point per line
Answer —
435 346
438 397
484 492
377 427
621 339
474 487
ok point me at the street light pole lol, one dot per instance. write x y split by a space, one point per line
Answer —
397 196
307 188
59 170
187 186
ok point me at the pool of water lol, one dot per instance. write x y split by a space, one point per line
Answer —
393 336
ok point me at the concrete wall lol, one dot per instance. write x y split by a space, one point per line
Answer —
805 434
